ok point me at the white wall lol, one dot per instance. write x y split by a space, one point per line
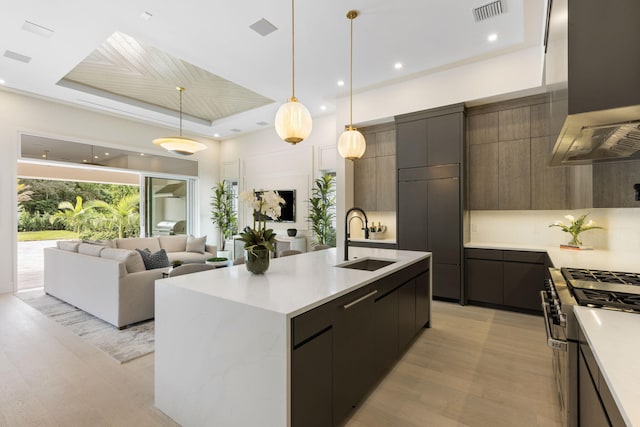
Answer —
268 163
20 113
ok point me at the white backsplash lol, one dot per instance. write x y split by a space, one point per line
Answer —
621 233
382 217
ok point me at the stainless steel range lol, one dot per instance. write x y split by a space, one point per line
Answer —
567 288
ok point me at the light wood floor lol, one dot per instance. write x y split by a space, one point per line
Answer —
475 367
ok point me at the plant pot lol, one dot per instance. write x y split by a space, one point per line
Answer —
291 232
218 262
257 261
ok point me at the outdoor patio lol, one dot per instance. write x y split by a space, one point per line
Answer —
31 263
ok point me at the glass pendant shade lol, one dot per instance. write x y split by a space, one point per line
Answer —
351 144
180 145
293 121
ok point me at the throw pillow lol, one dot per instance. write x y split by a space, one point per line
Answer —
154 260
106 243
196 244
69 245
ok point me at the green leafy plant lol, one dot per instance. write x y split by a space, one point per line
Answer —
265 205
123 214
223 213
74 217
322 210
575 227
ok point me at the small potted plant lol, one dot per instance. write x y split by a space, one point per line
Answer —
575 227
218 261
322 210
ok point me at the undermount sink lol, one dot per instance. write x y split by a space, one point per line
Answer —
368 264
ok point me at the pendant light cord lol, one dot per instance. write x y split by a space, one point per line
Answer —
293 52
351 78
180 89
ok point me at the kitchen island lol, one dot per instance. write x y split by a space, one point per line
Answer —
236 349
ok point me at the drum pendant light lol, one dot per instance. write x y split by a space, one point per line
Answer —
293 120
351 144
179 144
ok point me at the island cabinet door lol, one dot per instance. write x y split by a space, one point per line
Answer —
406 314
354 346
423 301
386 328
312 382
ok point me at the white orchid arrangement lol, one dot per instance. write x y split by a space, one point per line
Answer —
267 204
575 227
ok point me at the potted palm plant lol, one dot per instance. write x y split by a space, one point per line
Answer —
322 210
223 214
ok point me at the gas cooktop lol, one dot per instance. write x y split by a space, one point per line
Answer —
607 289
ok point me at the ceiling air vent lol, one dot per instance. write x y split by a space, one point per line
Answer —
263 27
18 57
236 130
487 11
262 123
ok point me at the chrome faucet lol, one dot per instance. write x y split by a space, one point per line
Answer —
347 234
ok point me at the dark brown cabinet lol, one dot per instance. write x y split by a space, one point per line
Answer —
343 347
596 406
430 219
510 146
504 278
430 152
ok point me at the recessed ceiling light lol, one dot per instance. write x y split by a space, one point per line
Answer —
145 16
84 160
340 82
323 107
2 81
216 135
95 157
492 37
106 154
142 154
397 65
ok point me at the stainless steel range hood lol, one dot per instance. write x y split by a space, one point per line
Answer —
602 80
599 136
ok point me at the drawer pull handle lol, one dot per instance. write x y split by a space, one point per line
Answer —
362 298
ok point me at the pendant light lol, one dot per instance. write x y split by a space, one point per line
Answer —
293 120
351 144
179 144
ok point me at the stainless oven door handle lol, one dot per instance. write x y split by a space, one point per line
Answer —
552 342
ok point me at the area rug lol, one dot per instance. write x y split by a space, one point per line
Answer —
122 345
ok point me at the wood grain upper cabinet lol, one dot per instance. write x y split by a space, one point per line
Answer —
510 145
375 173
613 184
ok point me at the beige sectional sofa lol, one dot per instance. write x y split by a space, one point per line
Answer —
108 279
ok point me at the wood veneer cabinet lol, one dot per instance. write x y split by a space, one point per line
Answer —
510 145
343 347
374 177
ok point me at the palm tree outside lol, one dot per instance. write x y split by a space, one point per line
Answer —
75 216
125 213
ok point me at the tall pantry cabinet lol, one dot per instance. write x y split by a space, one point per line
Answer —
430 154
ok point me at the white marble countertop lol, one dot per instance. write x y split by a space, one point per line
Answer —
374 241
614 338
298 283
593 259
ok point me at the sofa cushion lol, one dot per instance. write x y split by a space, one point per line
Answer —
90 249
196 244
108 243
69 245
131 259
153 260
173 243
133 243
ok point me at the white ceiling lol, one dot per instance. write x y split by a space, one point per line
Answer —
214 35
